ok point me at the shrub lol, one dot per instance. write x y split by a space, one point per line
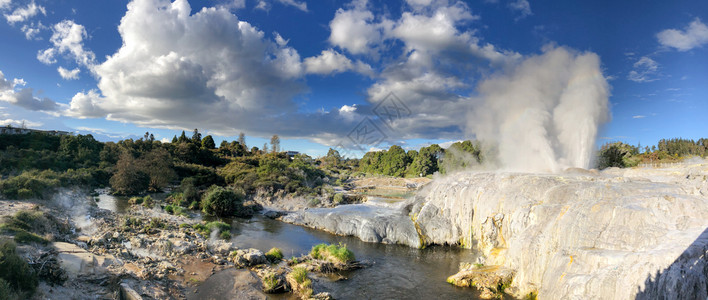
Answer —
274 254
147 201
30 184
29 226
333 253
338 198
17 274
221 202
135 200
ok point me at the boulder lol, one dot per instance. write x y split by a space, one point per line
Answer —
248 257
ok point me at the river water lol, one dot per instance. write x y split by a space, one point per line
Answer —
394 271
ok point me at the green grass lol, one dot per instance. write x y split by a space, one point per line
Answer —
274 254
299 274
335 253
206 229
270 282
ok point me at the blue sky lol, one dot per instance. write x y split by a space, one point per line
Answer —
315 71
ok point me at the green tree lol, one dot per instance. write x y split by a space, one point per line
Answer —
129 178
275 143
196 137
183 138
208 142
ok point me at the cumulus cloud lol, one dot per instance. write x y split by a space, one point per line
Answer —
645 70
5 4
11 92
693 36
68 38
22 14
331 61
544 113
68 74
32 31
20 123
355 29
522 7
176 70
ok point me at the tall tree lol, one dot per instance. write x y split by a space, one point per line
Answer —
196 137
183 138
265 147
208 142
275 143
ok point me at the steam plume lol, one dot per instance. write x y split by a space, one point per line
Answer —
543 114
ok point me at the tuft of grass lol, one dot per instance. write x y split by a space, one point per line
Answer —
147 201
270 282
334 253
299 274
206 229
274 254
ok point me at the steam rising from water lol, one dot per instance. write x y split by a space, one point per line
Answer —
543 115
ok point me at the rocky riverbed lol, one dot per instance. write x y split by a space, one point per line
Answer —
144 253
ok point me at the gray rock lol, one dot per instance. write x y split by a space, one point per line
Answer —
248 257
229 284
368 222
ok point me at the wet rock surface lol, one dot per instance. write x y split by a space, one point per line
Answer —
369 222
615 234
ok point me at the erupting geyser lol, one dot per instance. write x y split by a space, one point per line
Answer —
543 114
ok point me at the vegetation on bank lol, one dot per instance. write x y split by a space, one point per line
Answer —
217 180
333 253
621 155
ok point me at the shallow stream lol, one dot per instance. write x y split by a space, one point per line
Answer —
395 271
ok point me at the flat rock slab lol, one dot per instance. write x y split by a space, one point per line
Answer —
79 262
239 284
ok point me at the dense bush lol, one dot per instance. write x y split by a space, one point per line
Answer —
17 277
219 201
619 155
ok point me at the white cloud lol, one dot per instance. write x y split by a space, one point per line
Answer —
174 70
521 6
693 36
331 61
645 70
31 31
21 14
68 74
299 5
47 56
67 38
266 4
639 117
355 30
24 97
5 4
20 123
